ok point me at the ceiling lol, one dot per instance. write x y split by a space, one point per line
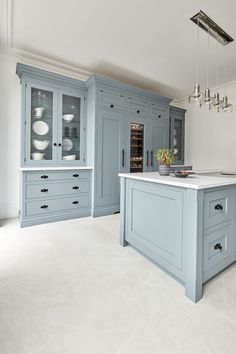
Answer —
148 43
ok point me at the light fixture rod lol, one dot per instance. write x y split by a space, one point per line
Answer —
208 25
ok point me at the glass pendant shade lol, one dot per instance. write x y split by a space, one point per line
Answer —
196 96
207 98
217 103
226 106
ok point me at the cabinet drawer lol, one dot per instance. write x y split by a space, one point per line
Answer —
136 106
217 249
217 207
72 175
158 112
45 190
111 100
44 207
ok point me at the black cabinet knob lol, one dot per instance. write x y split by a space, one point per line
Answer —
44 190
76 175
218 246
44 176
112 105
55 144
159 116
75 187
219 207
75 202
44 206
138 112
59 144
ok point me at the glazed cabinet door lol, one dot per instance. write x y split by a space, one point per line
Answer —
40 125
158 138
71 129
110 158
177 129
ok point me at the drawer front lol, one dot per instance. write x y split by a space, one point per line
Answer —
137 107
217 248
111 100
158 112
217 207
73 175
45 207
47 190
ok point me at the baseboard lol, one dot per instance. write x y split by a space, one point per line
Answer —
106 211
9 211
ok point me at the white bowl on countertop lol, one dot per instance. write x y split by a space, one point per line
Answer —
68 117
69 157
40 144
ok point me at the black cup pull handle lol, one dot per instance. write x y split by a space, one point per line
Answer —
76 175
218 246
44 206
75 187
112 105
75 202
219 207
44 190
44 176
147 158
151 158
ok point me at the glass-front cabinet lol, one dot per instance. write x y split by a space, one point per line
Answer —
136 147
54 126
177 122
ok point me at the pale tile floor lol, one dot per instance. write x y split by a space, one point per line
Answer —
69 288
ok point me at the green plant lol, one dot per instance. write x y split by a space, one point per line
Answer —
165 156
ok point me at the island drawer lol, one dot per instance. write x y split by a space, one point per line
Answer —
57 205
56 175
111 100
218 207
217 250
49 189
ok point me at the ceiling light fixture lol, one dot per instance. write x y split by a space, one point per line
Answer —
207 24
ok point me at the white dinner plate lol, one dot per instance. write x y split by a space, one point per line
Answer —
67 144
40 127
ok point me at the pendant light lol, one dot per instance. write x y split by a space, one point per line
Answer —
226 106
196 96
217 102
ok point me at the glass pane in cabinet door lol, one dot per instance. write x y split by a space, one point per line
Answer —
41 124
71 127
178 139
136 147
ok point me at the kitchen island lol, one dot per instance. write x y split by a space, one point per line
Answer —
184 225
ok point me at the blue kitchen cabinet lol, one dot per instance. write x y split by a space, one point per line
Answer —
110 160
158 139
177 133
53 119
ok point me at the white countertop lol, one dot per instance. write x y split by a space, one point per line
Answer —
192 181
55 168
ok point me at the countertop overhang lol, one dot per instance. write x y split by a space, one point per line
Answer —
192 181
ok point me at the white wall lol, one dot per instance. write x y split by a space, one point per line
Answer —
9 137
210 137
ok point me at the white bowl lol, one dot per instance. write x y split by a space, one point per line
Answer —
40 144
68 117
38 112
69 157
37 156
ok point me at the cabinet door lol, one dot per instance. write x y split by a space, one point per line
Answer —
137 153
40 125
71 129
158 138
109 157
177 136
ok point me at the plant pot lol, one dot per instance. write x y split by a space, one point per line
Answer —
164 170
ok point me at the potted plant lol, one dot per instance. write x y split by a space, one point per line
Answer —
165 157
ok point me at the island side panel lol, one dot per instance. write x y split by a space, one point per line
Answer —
122 211
193 243
154 223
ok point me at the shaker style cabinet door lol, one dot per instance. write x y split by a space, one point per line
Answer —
40 125
158 138
109 158
177 130
71 128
